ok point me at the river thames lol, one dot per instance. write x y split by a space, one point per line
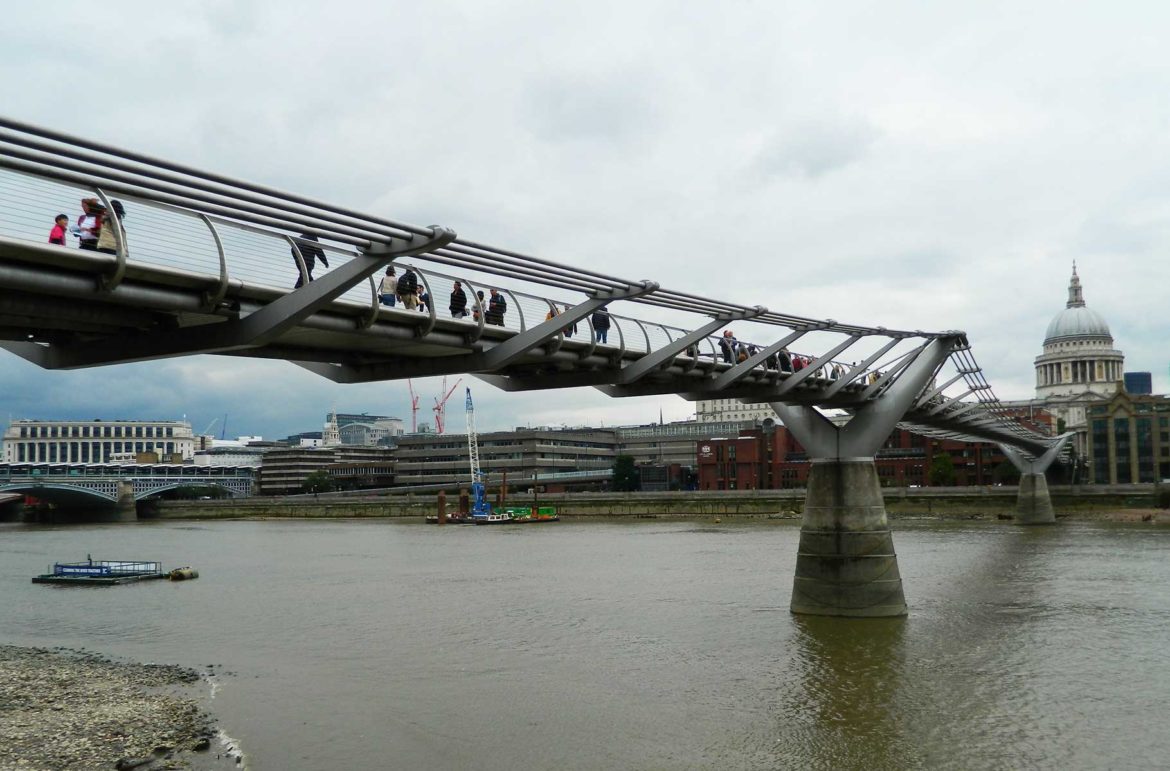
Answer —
640 644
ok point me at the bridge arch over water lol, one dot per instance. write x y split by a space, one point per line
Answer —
116 486
207 264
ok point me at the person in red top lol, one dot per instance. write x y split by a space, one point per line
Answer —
60 226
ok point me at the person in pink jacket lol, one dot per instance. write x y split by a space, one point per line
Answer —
60 228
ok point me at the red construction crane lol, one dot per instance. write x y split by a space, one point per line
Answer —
413 408
440 408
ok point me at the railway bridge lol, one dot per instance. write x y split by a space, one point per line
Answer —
201 263
117 486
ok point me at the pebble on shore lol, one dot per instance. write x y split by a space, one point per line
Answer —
63 709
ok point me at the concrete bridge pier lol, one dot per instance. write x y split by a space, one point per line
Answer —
127 506
846 564
1033 503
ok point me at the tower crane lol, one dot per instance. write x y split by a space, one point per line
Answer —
440 408
413 408
479 504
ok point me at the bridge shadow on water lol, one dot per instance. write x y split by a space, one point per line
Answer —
841 712
948 686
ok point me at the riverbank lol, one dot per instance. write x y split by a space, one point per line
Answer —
64 709
1097 502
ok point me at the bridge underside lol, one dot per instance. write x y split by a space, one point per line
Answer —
65 496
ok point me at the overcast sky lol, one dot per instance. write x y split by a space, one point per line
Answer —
905 164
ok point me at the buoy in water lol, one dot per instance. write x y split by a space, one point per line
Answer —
183 574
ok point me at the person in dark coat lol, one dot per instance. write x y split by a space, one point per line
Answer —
600 321
458 304
497 307
728 346
310 254
408 290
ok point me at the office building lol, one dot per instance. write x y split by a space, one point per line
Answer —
96 441
524 454
1129 439
1139 383
283 471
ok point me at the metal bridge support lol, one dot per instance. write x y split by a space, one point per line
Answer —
1033 503
846 564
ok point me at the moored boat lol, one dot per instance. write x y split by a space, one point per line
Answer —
493 518
526 515
93 572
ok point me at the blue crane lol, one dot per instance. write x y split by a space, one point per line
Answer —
479 503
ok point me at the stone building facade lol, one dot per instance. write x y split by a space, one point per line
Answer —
1078 363
1129 439
96 441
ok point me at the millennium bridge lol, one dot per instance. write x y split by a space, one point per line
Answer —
201 263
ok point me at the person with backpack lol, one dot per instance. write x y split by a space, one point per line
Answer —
601 324
458 304
106 241
497 307
408 290
310 254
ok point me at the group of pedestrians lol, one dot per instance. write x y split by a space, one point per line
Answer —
732 351
94 229
412 294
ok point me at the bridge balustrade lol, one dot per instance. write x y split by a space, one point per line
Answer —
223 252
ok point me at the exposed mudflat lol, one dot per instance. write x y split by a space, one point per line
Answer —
64 709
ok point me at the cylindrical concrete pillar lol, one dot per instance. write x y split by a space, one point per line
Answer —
1033 504
846 565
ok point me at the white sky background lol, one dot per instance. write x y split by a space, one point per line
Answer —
911 165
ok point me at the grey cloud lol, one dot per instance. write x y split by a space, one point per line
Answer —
587 106
815 148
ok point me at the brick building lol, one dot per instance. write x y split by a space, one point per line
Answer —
758 459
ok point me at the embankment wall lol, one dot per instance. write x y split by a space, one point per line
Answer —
1071 501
